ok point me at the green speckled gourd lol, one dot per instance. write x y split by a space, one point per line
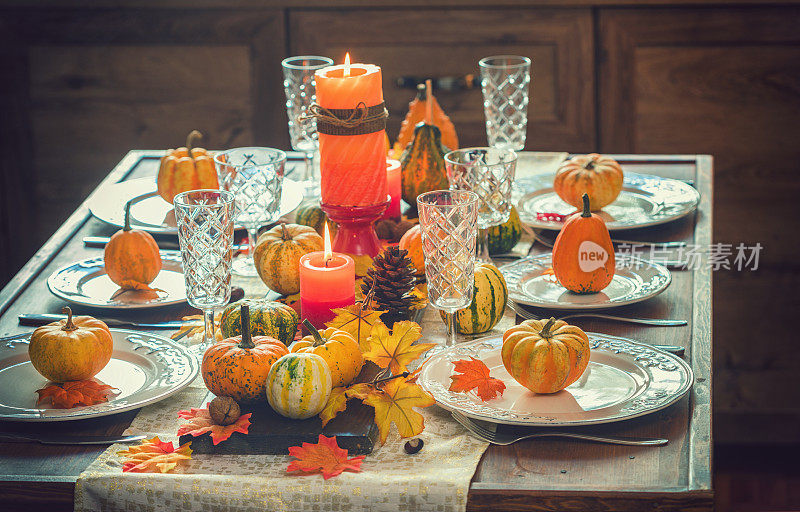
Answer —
313 216
504 237
489 298
267 318
422 163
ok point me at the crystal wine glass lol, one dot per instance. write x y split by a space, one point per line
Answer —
300 88
489 172
504 82
255 176
448 220
205 234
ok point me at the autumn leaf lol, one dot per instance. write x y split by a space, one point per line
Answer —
78 392
474 374
362 263
325 457
337 402
396 349
420 296
200 422
154 456
356 320
394 403
360 390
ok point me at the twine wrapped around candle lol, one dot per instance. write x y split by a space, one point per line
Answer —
347 121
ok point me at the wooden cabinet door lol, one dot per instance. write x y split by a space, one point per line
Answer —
446 43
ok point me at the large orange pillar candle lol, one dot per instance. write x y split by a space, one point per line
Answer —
353 166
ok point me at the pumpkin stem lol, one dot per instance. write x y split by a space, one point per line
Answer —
247 338
428 102
589 165
69 326
193 135
285 233
127 225
587 211
318 339
545 332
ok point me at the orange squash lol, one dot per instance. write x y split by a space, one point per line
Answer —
338 348
598 176
185 169
73 349
545 356
583 256
238 367
131 256
411 241
416 114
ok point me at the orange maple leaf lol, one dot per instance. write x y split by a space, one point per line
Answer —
356 320
325 457
200 422
474 374
396 349
67 395
154 456
394 403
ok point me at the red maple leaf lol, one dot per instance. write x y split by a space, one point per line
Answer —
67 395
200 422
325 457
474 374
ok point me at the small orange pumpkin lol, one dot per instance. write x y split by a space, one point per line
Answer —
411 241
73 349
131 256
599 176
583 256
338 348
545 356
238 367
185 169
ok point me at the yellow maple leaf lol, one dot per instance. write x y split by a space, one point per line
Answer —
337 402
394 403
396 349
360 390
356 320
154 455
362 263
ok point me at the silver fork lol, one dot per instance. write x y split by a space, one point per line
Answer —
490 435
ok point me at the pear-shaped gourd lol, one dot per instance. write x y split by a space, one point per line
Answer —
422 164
416 112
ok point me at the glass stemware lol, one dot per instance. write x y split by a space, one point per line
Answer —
448 220
205 234
300 88
255 176
488 172
504 82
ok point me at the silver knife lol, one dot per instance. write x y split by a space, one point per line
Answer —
58 439
46 318
165 245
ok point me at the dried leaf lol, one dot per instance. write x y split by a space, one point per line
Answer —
193 329
325 457
394 403
474 374
362 263
420 295
200 422
337 402
360 390
356 320
78 392
154 456
396 349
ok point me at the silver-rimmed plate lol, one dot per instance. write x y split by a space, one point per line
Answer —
624 380
144 368
86 283
149 212
644 201
530 281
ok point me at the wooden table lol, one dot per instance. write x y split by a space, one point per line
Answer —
530 475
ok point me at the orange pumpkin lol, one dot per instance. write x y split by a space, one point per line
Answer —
598 176
131 256
185 169
238 367
545 356
417 113
338 348
411 241
583 256
73 349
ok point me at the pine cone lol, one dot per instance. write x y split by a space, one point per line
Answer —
393 275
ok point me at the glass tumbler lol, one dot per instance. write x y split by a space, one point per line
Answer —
448 220
504 82
489 172
300 89
205 233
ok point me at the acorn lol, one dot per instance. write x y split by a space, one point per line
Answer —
224 410
413 446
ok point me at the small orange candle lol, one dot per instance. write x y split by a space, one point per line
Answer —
327 281
395 188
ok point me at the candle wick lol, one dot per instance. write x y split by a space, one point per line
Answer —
327 260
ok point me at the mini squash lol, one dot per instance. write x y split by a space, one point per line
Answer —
313 216
267 318
131 256
278 252
504 238
411 241
338 348
417 112
488 306
598 176
185 169
299 385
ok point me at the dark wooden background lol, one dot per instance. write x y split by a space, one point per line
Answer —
83 85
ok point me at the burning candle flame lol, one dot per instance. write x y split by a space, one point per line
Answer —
328 254
346 64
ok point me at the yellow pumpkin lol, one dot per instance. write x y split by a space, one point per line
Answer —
338 348
599 176
73 349
298 385
278 252
545 356
185 169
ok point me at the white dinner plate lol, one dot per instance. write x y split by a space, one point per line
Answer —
149 212
144 368
86 283
624 380
644 201
531 282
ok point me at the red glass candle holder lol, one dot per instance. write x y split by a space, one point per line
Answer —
356 233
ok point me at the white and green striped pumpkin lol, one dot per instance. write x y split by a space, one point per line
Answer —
489 297
298 385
